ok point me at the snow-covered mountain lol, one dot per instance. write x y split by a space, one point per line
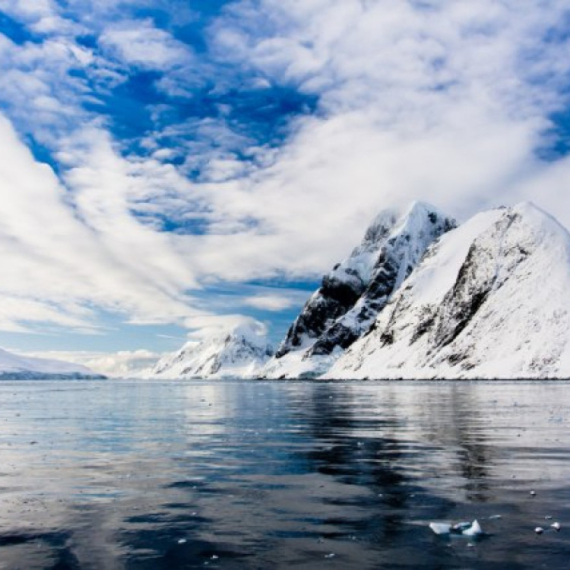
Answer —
356 290
238 352
489 300
13 366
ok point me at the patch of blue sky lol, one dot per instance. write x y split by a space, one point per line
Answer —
555 143
174 223
16 31
284 281
114 335
260 117
280 324
240 298
129 108
186 21
42 153
87 41
560 33
556 140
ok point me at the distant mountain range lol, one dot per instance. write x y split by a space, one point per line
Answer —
16 367
421 298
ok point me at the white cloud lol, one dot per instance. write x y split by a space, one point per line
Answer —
63 251
447 102
441 101
28 11
141 43
122 364
269 302
206 326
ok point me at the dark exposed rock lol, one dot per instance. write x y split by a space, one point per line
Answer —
330 302
351 296
475 281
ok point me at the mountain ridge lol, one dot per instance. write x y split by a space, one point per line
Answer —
500 313
420 298
237 351
356 289
17 367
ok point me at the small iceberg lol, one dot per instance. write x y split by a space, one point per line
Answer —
460 529
473 530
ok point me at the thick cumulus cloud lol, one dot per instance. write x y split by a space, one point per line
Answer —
445 101
451 102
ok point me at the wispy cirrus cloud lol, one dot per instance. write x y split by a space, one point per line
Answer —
270 302
255 139
64 255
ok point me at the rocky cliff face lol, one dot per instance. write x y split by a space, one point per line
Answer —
357 289
489 300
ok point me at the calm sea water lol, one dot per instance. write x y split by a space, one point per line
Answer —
259 475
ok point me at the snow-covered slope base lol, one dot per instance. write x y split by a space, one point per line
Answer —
13 366
240 352
489 300
356 290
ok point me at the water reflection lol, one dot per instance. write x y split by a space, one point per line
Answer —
275 475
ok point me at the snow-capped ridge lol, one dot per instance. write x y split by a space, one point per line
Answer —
356 289
14 366
419 298
487 301
239 351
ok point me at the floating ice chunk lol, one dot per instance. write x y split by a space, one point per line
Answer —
440 528
539 530
462 528
556 526
474 530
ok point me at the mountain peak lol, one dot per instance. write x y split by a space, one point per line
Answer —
488 301
239 350
352 294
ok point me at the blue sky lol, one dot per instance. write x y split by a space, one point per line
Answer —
172 166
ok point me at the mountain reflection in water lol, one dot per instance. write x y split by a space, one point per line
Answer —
261 475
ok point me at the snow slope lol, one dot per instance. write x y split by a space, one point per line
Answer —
238 352
25 367
489 300
356 290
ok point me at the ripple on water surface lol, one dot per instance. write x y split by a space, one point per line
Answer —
261 475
